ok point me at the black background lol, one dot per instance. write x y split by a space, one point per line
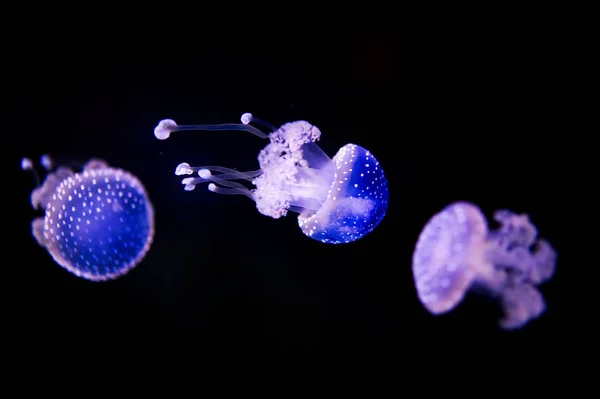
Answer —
454 109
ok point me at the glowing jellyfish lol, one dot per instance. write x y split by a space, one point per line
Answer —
456 252
339 199
98 224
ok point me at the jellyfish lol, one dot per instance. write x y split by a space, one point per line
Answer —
338 200
456 253
98 223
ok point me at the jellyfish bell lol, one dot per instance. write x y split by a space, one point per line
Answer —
456 253
447 246
356 201
98 223
338 200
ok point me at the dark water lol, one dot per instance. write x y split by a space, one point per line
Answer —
450 115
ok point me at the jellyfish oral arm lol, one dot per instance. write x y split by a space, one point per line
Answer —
516 262
37 229
314 156
248 117
225 126
514 247
295 173
521 304
42 195
167 126
310 189
488 279
225 178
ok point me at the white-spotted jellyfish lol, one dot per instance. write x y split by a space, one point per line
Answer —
339 199
456 252
98 223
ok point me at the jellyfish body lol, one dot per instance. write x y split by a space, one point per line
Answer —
456 252
98 223
339 199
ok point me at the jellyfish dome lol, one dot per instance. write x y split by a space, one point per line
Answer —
98 223
338 200
456 252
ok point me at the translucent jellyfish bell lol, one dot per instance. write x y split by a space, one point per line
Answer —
456 252
339 199
98 224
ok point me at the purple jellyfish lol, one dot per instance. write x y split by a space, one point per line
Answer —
456 252
339 199
98 224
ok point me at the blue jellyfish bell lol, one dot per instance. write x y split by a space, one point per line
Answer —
98 223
